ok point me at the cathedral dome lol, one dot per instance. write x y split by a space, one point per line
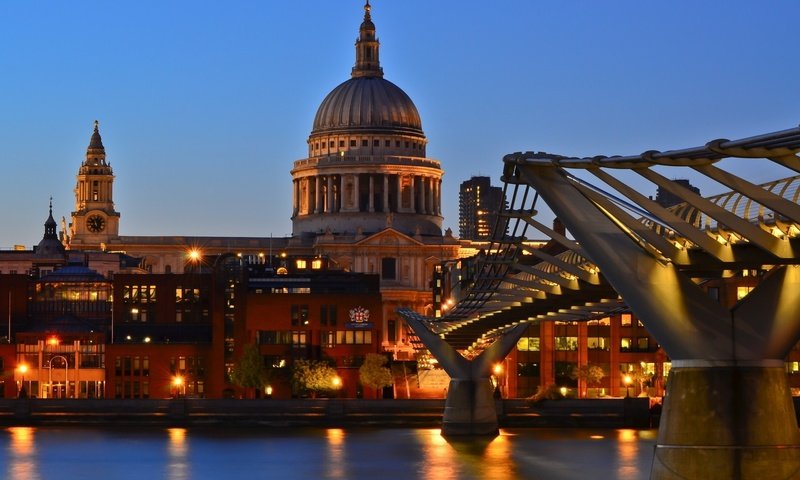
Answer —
366 168
367 103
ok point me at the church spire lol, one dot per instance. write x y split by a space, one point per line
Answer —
96 152
50 224
367 48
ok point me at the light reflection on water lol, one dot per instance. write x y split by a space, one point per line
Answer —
177 450
23 455
336 453
374 453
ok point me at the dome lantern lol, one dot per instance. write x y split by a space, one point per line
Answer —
367 49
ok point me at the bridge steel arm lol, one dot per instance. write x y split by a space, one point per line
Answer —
688 325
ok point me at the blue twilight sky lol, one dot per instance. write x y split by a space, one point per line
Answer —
203 106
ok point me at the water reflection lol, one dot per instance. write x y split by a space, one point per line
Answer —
497 461
488 457
438 462
359 453
335 454
627 453
22 452
177 454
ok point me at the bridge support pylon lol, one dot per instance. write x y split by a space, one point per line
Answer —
727 422
470 406
728 412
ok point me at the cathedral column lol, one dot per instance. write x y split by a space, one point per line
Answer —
294 198
438 197
317 194
356 193
433 196
330 207
413 195
371 193
430 195
423 207
399 192
309 197
386 193
340 202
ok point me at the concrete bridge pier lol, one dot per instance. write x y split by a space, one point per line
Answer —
470 406
723 421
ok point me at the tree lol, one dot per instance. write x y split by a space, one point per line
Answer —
590 373
640 376
373 372
249 371
314 377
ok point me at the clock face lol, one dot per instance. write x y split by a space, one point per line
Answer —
95 223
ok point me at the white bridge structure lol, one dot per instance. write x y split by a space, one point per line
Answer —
728 412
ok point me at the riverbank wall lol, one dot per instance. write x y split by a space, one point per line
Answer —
605 413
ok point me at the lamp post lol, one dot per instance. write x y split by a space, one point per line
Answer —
22 368
195 256
337 383
180 386
627 380
497 370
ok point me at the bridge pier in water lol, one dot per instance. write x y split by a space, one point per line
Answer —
727 422
470 404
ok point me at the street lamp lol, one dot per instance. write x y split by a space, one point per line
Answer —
179 385
195 256
497 371
23 369
337 383
627 380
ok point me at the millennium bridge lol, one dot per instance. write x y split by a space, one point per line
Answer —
728 411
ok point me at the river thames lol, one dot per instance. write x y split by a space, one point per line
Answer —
31 453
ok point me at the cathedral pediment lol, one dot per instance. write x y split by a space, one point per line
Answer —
388 236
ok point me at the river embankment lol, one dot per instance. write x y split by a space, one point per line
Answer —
329 412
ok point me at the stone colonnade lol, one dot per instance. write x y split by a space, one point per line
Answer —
367 192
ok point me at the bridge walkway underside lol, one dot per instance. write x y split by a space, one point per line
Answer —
728 408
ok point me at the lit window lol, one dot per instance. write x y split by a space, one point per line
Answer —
742 292
528 344
625 344
597 343
566 343
793 367
316 264
625 319
300 264
299 338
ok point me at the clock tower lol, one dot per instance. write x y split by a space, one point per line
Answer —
94 221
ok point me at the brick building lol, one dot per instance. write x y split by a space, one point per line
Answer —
78 334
